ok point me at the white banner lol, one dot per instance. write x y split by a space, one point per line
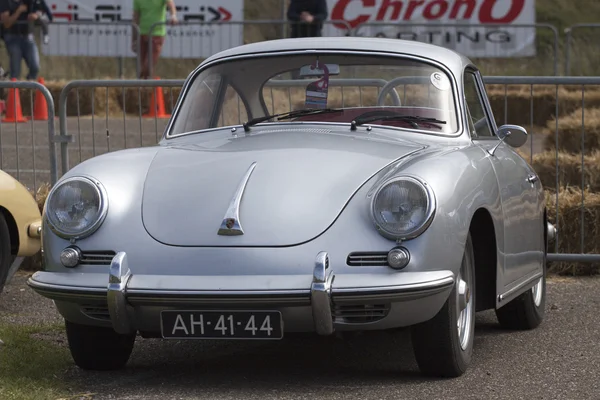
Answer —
102 28
490 32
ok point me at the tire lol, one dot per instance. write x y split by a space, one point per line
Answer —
6 258
439 348
528 310
98 348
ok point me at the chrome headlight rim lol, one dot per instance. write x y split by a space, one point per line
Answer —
429 213
103 200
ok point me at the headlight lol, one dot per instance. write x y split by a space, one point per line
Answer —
76 207
403 207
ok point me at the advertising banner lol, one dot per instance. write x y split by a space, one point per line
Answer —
475 28
103 28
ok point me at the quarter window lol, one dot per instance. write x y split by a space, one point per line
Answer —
478 121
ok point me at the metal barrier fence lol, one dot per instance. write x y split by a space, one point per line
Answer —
124 110
31 143
585 53
565 117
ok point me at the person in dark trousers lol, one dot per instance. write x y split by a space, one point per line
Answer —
15 16
306 17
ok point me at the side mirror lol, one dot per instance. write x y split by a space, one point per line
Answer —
514 135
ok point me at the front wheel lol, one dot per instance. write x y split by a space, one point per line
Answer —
443 346
98 348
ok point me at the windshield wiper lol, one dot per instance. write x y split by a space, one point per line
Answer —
412 119
290 114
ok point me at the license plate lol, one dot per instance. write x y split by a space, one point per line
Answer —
221 325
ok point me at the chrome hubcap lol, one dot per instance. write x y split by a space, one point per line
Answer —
464 304
537 293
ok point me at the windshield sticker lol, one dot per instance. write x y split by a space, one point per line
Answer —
316 92
440 81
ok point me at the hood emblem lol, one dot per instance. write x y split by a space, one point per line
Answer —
231 222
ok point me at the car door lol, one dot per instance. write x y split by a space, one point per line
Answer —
519 195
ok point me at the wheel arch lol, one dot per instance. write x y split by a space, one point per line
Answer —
13 230
485 252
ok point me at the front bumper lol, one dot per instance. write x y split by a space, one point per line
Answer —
132 300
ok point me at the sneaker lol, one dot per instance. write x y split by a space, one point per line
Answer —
46 39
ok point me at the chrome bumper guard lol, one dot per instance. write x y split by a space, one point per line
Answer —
320 297
118 278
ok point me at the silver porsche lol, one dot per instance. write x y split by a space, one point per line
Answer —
322 185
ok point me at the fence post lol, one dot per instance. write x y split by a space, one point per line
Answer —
568 51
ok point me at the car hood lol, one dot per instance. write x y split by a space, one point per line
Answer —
300 183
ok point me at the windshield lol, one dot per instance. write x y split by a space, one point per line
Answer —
362 86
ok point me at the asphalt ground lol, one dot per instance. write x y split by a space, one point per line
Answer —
558 360
24 147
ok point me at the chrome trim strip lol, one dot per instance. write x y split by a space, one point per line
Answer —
231 222
530 281
118 278
217 293
429 215
392 293
319 297
320 294
275 302
64 289
190 80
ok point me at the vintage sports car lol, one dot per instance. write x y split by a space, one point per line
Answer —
20 226
304 185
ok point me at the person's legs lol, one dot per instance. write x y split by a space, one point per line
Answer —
13 46
32 58
157 45
143 56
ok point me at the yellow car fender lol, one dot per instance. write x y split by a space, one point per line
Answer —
22 215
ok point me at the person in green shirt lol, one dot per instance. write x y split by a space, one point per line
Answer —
147 13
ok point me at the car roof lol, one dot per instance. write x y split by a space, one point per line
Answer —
452 59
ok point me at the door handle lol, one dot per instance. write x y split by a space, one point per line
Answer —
532 178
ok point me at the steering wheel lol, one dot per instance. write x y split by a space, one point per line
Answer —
391 85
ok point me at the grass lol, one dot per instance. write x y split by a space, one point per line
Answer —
32 364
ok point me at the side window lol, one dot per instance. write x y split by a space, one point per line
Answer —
478 121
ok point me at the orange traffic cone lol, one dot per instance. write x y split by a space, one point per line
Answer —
157 104
40 106
13 106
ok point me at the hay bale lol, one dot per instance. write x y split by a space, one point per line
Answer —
569 229
570 131
569 170
512 104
